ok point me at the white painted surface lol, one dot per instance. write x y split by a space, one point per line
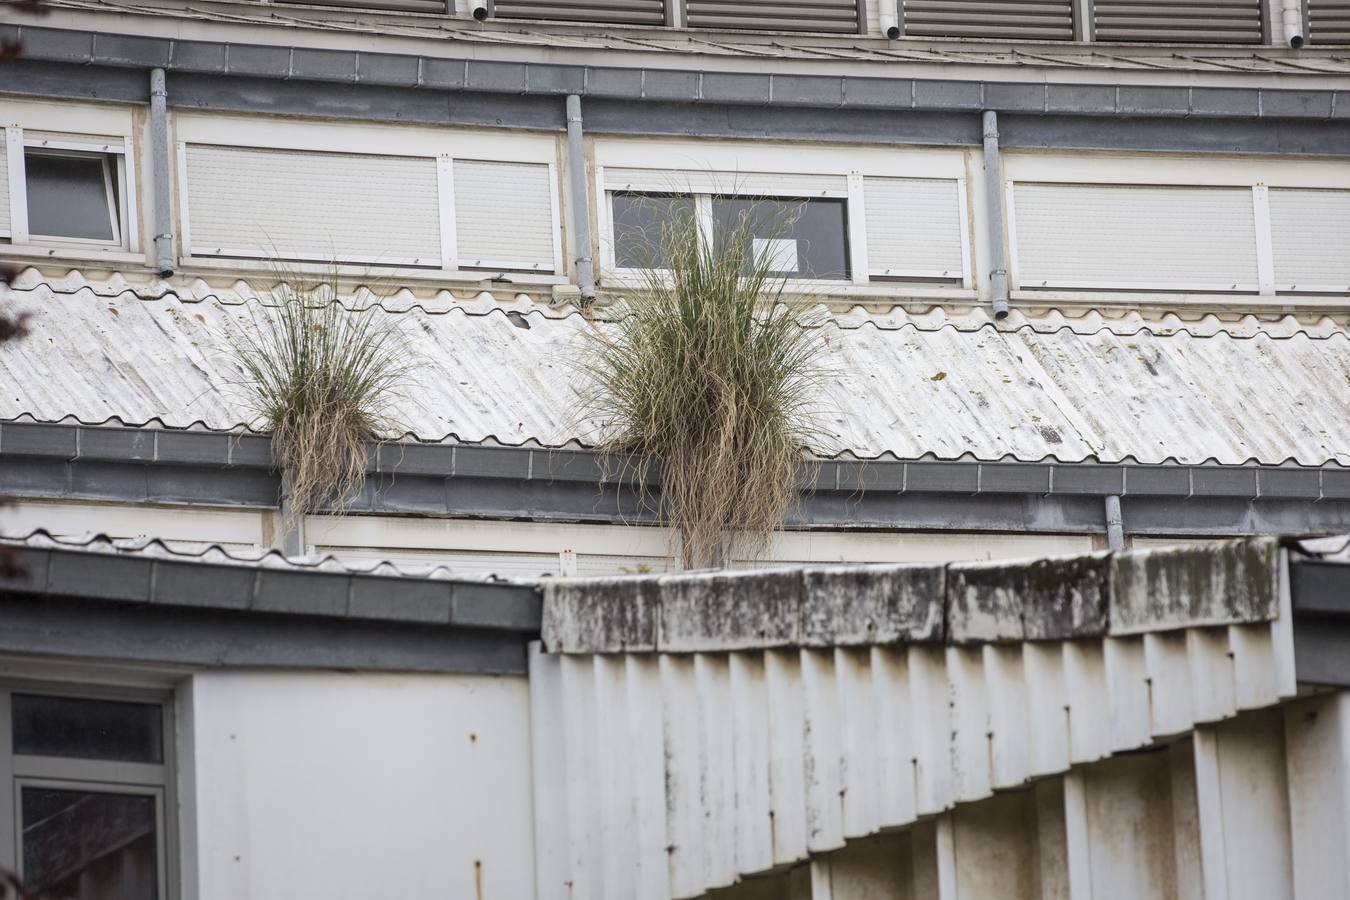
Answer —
311 786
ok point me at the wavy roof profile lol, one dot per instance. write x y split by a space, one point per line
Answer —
912 385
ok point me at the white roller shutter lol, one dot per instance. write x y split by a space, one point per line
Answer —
745 184
244 201
913 227
1134 237
1310 234
4 187
504 215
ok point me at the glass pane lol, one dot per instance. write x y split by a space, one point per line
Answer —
68 196
88 729
639 220
82 845
801 238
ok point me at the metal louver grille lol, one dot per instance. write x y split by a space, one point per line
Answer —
422 6
774 15
1028 19
4 191
1186 21
619 12
1329 21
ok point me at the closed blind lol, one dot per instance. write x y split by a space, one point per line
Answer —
1329 21
4 186
774 15
734 183
1081 235
504 215
1050 20
1209 21
619 12
1310 232
913 226
307 205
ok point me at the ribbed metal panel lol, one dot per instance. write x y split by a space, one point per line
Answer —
1135 237
1029 19
1329 21
245 201
422 6
913 226
1187 21
774 15
4 190
619 12
1310 234
503 215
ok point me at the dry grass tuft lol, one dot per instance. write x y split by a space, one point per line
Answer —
318 377
711 377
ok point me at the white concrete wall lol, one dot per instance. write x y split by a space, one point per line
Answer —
314 786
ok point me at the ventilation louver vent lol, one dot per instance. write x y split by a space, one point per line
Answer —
1187 21
615 12
1329 21
1047 20
774 15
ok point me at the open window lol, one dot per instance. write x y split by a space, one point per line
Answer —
68 191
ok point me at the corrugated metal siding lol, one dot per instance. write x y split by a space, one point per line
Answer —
420 6
504 214
913 226
774 15
1329 21
1081 235
473 562
294 204
1048 20
4 187
1310 231
746 184
1022 393
619 12
1194 21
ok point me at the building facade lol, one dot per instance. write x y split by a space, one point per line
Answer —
1083 272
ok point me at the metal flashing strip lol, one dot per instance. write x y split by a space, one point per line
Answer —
164 606
98 53
104 463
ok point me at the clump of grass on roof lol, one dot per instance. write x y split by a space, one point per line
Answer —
319 378
710 376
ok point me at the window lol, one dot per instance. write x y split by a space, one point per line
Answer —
89 786
72 195
67 190
641 227
805 238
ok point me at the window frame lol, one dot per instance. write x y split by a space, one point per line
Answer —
439 146
120 187
850 163
156 780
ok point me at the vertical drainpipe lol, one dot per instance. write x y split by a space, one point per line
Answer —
993 185
1115 523
159 155
580 219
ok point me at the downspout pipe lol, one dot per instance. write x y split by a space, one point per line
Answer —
580 208
159 150
890 19
1115 523
1291 14
993 186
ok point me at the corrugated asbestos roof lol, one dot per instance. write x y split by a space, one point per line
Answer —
911 385
471 36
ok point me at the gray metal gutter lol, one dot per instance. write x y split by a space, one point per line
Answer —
579 206
173 610
161 173
467 75
131 465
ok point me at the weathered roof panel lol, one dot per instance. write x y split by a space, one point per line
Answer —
929 384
